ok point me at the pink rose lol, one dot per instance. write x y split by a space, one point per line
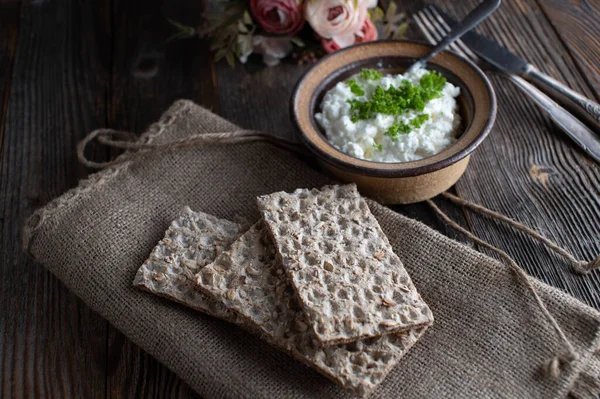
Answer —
338 20
278 16
368 33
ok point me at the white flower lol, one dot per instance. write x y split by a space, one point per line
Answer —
273 49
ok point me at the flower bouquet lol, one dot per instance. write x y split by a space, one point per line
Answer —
300 29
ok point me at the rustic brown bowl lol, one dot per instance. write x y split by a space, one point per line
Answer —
402 182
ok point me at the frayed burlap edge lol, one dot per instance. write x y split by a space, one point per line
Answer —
93 182
586 370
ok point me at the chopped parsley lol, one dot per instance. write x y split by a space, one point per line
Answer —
378 147
431 85
395 130
397 100
370 74
355 88
418 120
402 128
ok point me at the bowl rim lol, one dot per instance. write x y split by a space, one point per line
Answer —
404 168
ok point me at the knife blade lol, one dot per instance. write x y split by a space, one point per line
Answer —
490 51
499 57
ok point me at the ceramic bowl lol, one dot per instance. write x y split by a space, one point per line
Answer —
402 182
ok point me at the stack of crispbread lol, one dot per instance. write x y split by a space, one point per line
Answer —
316 277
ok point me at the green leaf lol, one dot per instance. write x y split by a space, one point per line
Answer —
247 18
244 45
418 120
432 84
355 88
297 41
183 31
398 17
397 100
370 74
395 130
241 27
399 34
220 54
217 44
230 59
391 11
377 14
182 27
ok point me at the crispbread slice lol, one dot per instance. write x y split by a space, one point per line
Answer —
249 279
348 280
192 241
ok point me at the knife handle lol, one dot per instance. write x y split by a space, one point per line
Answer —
577 130
581 106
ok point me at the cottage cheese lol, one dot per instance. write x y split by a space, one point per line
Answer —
364 138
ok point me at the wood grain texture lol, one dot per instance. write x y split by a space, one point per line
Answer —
259 100
147 76
84 64
51 344
577 23
9 33
527 169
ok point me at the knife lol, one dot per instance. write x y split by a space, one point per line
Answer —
504 60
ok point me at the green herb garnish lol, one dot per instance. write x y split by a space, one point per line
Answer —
395 130
378 147
403 128
418 120
431 85
370 74
355 88
397 100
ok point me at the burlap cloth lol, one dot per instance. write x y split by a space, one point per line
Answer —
489 338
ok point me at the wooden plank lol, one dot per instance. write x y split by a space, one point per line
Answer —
51 344
527 169
9 32
132 373
578 26
259 100
148 75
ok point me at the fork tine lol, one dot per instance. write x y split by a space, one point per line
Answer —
444 25
418 17
440 30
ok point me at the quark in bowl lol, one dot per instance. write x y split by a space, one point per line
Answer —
402 165
391 117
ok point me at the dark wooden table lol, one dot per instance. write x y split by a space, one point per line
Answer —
68 67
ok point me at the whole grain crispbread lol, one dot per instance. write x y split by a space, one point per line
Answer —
249 279
191 242
348 279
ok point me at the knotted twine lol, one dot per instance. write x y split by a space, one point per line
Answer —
127 141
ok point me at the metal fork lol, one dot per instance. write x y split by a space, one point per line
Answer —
434 28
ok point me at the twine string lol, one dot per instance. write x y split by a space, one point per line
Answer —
127 141
580 266
552 366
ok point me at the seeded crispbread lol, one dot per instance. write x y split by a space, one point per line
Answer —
348 280
249 279
191 242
